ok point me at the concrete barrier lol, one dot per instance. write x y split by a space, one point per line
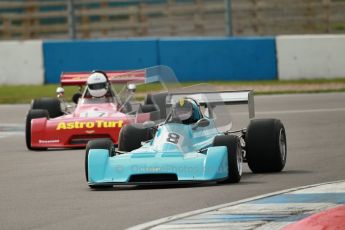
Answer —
65 56
192 59
21 62
311 56
220 58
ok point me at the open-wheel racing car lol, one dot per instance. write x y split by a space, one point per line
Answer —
98 111
189 146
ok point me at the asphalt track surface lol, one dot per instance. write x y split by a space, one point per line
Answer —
47 190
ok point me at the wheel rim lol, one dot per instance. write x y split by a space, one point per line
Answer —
239 160
282 144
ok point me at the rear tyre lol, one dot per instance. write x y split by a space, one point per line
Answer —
235 158
266 149
98 144
32 114
52 105
76 97
147 108
132 135
152 109
159 101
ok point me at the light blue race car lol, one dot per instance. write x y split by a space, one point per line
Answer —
188 146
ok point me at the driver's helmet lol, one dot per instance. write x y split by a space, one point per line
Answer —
97 84
187 111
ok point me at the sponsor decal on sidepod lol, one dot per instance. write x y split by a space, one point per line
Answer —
89 124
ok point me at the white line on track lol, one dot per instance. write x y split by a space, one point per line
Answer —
295 111
7 130
306 111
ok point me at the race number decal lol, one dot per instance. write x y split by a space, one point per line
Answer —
169 141
173 138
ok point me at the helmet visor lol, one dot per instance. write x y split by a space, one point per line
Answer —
183 110
96 86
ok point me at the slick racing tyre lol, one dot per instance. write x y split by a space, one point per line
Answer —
148 108
158 101
52 105
155 114
132 135
32 114
235 158
266 145
76 97
98 144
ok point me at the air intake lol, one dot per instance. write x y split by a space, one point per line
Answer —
83 139
160 177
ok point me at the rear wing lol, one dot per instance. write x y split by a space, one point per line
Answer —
80 78
220 98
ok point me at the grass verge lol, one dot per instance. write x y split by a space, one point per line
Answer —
25 93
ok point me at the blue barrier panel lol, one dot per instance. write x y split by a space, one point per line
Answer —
203 59
66 56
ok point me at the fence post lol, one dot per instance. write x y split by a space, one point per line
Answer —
30 23
170 12
7 24
327 9
142 16
256 21
198 17
71 19
104 18
228 13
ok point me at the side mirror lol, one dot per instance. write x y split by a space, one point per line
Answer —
131 87
60 92
203 122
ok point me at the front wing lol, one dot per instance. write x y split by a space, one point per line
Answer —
156 168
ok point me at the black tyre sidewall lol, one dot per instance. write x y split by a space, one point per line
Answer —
132 135
262 145
152 109
52 105
105 143
76 97
158 100
148 108
233 144
32 114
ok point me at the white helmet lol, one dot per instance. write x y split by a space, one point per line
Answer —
97 84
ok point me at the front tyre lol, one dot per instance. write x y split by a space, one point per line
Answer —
52 105
32 114
266 149
235 158
132 135
98 144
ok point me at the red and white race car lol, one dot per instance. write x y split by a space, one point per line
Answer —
53 123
